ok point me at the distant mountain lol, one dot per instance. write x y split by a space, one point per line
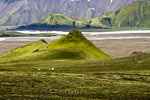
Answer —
25 12
62 22
72 46
136 14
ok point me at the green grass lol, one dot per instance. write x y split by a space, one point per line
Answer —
69 86
137 63
26 72
25 50
116 79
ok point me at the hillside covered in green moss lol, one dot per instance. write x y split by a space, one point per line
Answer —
71 46
60 22
135 15
72 68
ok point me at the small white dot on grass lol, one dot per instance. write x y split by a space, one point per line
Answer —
52 68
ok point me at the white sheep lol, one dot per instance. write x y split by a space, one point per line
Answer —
51 69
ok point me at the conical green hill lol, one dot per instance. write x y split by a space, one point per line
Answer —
73 46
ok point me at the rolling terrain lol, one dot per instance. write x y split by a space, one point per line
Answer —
25 12
67 78
71 46
75 67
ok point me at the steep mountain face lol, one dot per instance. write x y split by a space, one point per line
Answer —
133 15
23 12
72 46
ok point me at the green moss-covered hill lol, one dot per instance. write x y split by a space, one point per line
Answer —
135 15
59 21
73 46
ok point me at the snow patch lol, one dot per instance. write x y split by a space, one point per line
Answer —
93 9
74 0
111 1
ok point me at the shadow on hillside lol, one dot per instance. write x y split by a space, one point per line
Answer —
54 27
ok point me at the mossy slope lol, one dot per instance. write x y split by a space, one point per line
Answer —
26 50
57 21
77 44
134 15
71 46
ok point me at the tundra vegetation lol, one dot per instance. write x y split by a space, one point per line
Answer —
72 68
